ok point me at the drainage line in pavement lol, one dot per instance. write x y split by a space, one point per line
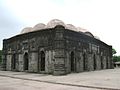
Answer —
62 83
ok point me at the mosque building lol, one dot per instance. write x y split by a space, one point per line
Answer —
56 48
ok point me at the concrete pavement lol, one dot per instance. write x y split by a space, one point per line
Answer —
7 83
94 80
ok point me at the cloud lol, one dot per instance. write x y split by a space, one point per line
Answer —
101 17
9 24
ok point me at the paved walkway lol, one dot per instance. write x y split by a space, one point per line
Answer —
7 83
103 79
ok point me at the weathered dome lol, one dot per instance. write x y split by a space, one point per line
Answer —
54 22
89 34
81 29
71 27
26 30
39 26
97 37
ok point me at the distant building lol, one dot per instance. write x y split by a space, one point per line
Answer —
116 64
55 48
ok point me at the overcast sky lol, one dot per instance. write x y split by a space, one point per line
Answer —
100 17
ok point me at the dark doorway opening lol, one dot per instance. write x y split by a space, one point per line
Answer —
42 64
107 63
13 65
94 61
26 61
84 61
72 62
101 62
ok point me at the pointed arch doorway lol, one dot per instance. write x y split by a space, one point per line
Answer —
41 62
13 62
94 62
84 62
26 61
72 60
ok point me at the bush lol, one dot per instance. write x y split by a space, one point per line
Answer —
116 58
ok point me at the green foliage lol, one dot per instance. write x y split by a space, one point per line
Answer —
116 58
0 56
113 51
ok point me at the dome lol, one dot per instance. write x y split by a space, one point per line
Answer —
97 37
81 29
26 30
39 26
54 22
85 31
57 24
89 34
71 27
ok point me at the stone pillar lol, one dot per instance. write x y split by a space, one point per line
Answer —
68 62
90 62
98 64
110 59
81 62
33 61
59 49
21 62
9 62
104 62
59 63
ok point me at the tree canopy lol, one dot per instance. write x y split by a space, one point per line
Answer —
113 51
115 57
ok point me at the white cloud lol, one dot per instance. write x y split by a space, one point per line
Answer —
101 17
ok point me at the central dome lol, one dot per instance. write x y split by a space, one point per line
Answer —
71 27
54 22
39 26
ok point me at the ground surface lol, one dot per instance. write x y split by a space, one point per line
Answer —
94 80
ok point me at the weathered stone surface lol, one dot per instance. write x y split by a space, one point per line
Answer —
55 51
8 62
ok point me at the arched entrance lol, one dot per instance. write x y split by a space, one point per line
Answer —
101 57
84 62
26 61
72 62
42 63
13 62
107 63
94 61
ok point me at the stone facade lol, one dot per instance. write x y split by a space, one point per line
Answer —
56 51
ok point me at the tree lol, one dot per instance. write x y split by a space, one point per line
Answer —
115 57
113 51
